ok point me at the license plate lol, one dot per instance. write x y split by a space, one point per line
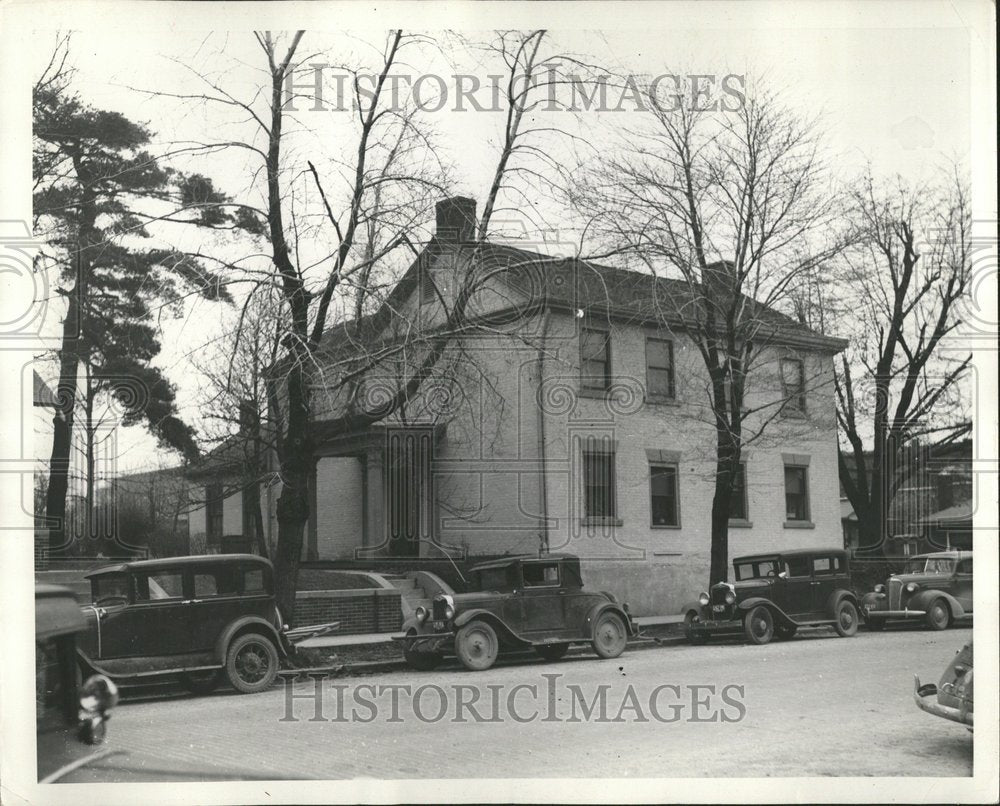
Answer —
718 608
438 625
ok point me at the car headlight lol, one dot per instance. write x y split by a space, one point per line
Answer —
880 589
911 587
703 598
421 614
449 606
730 596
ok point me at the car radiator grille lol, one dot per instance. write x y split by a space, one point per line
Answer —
437 609
895 593
718 595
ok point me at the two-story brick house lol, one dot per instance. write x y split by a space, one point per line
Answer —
574 417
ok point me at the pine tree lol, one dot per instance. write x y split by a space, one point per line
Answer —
95 183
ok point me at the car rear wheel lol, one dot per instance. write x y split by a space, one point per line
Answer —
421 661
251 663
477 646
846 623
552 652
691 632
938 615
610 635
200 683
758 625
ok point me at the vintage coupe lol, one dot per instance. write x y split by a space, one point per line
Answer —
517 603
69 717
952 697
198 618
774 594
933 588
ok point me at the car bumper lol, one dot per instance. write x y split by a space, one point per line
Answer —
426 642
717 625
926 699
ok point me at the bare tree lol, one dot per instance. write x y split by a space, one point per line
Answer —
897 386
733 203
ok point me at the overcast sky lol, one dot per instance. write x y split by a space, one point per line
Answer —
898 97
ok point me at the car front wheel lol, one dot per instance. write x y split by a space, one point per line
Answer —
758 625
477 646
691 632
251 663
938 615
610 635
846 623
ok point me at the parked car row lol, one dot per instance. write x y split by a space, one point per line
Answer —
202 619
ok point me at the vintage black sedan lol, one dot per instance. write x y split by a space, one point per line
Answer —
197 618
70 717
517 603
933 588
774 594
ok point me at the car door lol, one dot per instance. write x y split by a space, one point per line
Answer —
153 623
216 601
542 598
963 583
824 583
793 592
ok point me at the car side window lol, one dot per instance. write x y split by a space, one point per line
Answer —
253 581
964 567
539 575
797 566
156 587
822 566
217 582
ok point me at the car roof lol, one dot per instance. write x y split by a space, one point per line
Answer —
764 555
503 562
56 612
180 562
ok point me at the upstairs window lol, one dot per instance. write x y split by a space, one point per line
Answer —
659 368
793 384
738 507
213 511
595 359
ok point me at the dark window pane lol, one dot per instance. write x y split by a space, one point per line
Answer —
793 383
738 501
796 494
598 485
797 566
595 358
659 368
536 574
663 495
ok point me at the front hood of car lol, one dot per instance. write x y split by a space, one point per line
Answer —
467 601
935 580
748 588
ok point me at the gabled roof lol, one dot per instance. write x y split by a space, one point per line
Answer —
42 395
568 284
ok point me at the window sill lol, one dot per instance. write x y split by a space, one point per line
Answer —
799 525
794 414
664 526
602 522
593 392
656 400
740 523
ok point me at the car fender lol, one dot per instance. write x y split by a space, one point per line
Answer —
779 615
492 619
240 625
870 601
921 601
839 595
597 610
692 607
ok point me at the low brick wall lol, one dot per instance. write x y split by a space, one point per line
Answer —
358 611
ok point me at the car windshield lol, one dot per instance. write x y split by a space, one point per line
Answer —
758 569
930 565
109 587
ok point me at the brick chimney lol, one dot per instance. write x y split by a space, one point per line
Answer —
456 220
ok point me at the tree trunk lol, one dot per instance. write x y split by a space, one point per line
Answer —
62 426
